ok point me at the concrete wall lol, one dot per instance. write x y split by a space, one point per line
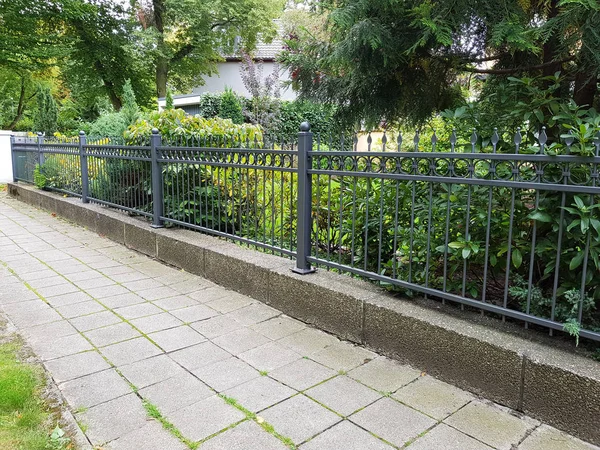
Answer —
6 173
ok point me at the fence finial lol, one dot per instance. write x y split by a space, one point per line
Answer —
542 139
154 130
305 127
82 133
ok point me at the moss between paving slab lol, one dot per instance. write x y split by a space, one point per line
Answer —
26 419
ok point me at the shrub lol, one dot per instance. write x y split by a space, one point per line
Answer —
46 116
175 126
231 107
111 124
130 110
210 105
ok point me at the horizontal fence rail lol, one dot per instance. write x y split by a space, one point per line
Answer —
486 223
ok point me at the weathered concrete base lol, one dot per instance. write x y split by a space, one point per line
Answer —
537 377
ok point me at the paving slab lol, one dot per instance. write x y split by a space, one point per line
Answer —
278 327
94 389
246 436
491 424
111 334
240 341
347 436
302 374
343 356
176 338
343 395
433 397
199 355
75 366
548 438
443 437
384 374
100 420
270 356
216 326
130 351
156 322
299 418
150 437
205 418
259 393
226 374
151 371
176 392
382 418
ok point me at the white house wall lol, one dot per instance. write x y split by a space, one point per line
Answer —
229 76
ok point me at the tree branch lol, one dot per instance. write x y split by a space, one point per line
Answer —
515 69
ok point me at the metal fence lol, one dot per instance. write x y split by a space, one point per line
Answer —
502 228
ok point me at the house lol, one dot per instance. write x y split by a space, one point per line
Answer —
228 76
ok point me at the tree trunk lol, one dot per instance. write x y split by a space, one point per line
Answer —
162 72
551 45
162 63
21 106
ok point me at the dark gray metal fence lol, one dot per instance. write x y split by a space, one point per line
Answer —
512 233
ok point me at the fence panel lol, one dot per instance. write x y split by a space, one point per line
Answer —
119 175
514 234
245 191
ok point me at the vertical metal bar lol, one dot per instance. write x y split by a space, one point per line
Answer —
515 172
495 140
13 157
157 185
85 183
304 200
40 142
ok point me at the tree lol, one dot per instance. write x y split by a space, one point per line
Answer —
30 45
169 103
394 60
184 40
130 109
46 116
105 50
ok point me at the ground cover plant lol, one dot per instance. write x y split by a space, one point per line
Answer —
25 419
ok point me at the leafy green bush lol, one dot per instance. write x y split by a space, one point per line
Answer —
209 105
293 113
46 116
231 107
110 124
175 126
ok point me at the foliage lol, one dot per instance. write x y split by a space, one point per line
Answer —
185 39
169 103
263 108
231 107
174 125
406 60
130 110
46 116
110 124
293 113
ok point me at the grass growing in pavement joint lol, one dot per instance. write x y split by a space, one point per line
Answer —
155 413
260 421
25 419
263 373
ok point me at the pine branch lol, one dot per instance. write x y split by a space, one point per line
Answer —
515 69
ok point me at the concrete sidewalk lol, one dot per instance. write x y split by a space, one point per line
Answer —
150 357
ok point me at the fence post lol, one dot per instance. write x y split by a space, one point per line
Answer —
157 189
305 142
85 182
13 157
40 142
